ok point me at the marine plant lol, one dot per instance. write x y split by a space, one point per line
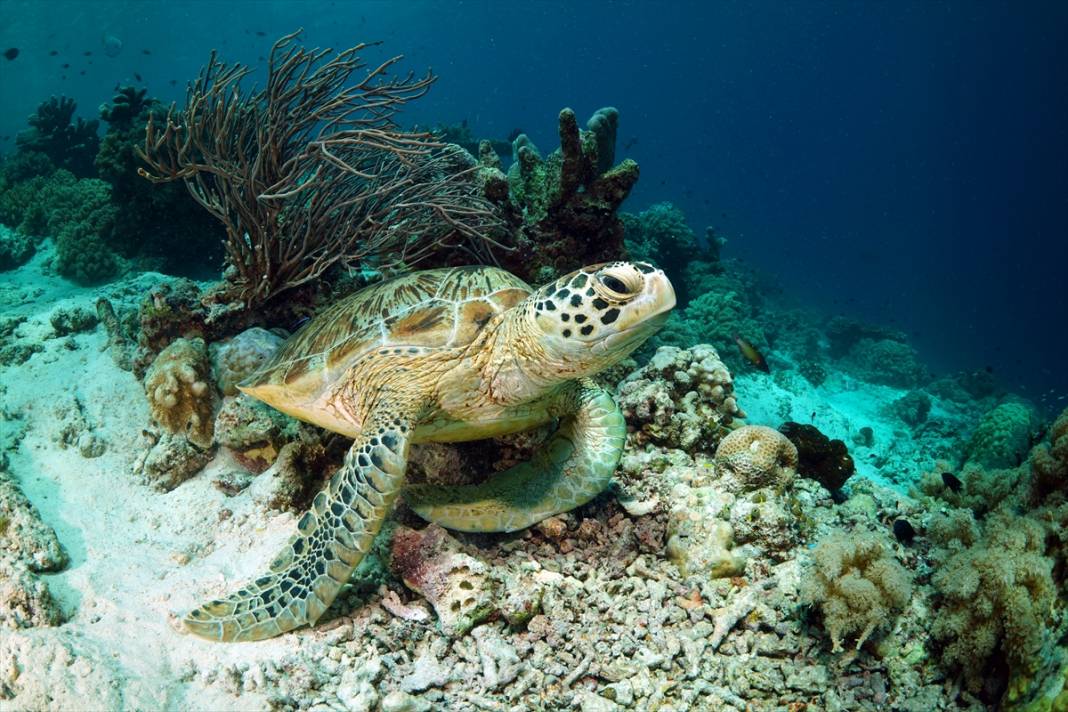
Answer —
311 171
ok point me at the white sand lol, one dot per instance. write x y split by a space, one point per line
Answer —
121 647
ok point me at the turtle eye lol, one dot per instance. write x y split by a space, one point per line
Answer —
616 285
619 286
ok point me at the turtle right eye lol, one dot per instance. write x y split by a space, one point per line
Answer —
616 285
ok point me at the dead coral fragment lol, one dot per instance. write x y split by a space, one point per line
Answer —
458 586
756 456
179 390
857 584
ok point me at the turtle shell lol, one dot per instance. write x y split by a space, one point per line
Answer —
431 309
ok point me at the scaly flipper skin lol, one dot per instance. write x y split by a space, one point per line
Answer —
571 469
333 536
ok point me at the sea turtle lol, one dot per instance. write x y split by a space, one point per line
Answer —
443 355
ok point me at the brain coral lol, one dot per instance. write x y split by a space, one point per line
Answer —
180 395
755 456
683 398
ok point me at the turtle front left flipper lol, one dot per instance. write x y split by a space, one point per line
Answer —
572 468
332 537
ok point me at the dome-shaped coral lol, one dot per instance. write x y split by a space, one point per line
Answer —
237 358
755 456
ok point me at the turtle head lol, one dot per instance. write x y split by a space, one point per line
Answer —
596 316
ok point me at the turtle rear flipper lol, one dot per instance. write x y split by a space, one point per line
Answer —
572 468
333 536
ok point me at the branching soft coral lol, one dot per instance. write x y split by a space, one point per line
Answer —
996 594
857 584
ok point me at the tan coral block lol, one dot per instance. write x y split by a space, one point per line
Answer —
180 396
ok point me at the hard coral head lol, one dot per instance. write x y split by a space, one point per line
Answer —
595 316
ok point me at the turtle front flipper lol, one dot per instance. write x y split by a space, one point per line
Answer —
571 469
332 537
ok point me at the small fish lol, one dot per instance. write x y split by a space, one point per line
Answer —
137 76
82 72
53 53
173 82
299 322
87 53
66 66
751 354
11 52
951 481
261 34
145 51
903 531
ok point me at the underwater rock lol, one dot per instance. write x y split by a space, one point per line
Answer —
72 320
16 249
764 519
281 486
683 398
356 689
756 456
819 458
170 461
699 539
181 396
235 359
1003 436
857 584
253 431
457 586
844 333
14 350
28 547
25 601
121 348
887 362
912 408
24 537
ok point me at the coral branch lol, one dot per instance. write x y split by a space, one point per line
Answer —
311 171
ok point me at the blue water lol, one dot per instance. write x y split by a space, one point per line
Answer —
906 163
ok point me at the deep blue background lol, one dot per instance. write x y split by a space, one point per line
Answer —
902 162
